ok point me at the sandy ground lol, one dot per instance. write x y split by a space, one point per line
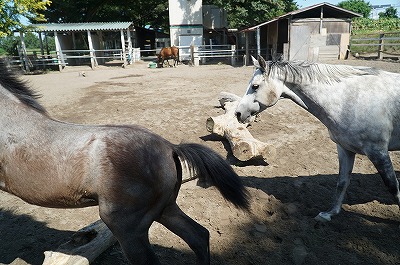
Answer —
287 191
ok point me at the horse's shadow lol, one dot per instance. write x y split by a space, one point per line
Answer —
23 237
316 192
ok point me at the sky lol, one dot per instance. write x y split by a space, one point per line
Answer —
305 3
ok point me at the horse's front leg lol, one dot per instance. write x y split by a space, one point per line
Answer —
383 164
346 163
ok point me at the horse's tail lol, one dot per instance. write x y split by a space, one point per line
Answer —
212 168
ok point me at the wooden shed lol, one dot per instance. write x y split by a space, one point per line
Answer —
312 33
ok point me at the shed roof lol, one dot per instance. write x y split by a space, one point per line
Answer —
314 11
105 26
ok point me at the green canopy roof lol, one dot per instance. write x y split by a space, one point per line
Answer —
92 26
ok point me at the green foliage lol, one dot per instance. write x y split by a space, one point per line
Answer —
390 12
9 45
243 13
155 12
140 12
51 43
31 41
391 45
358 6
11 12
371 29
368 25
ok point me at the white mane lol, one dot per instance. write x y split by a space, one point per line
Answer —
304 72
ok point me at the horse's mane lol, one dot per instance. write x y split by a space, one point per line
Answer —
306 72
19 88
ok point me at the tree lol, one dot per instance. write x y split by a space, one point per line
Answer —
12 11
31 40
9 45
358 6
247 13
140 12
390 12
155 12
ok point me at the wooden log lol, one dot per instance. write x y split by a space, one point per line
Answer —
84 246
244 146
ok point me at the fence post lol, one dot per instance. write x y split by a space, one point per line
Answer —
233 48
136 54
380 49
194 55
123 48
59 52
25 56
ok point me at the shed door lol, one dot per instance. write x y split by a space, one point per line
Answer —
299 41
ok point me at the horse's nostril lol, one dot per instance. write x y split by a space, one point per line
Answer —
238 115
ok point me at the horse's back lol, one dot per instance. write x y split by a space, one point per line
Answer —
366 112
166 52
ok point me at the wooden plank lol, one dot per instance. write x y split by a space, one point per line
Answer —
84 246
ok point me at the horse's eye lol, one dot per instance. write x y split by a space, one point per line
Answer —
255 87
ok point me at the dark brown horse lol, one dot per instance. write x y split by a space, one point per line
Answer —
167 53
133 174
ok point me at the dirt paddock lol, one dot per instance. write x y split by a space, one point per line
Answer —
287 191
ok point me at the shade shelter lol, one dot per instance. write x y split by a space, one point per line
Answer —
312 33
96 42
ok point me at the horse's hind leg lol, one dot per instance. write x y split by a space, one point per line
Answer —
346 163
383 164
195 235
130 227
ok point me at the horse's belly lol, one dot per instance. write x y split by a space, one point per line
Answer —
394 143
358 140
53 197
44 188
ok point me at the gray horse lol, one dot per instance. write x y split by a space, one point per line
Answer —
133 174
360 106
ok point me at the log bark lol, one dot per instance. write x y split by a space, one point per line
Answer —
84 246
244 146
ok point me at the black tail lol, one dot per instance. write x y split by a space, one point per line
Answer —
211 167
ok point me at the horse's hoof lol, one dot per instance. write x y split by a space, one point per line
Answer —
323 217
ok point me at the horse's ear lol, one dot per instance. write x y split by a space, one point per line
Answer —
262 63
255 62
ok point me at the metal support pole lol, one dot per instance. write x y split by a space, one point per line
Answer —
123 47
258 41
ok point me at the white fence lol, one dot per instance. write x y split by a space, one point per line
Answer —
203 54
194 55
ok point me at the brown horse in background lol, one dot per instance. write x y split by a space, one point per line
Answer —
167 53
132 174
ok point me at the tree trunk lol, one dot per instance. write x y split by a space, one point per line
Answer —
84 246
244 146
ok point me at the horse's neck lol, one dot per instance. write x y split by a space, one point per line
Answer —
318 100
